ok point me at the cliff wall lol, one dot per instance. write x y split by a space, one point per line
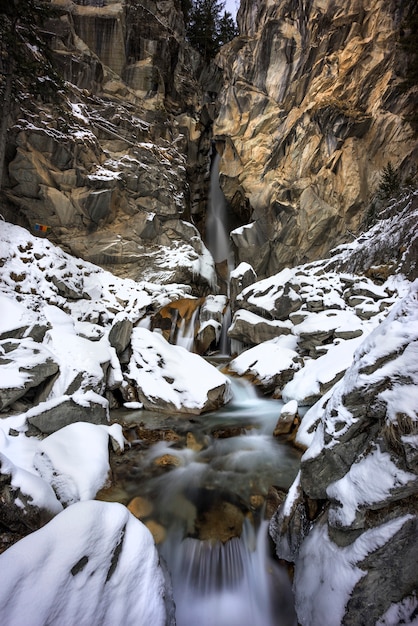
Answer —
312 111
117 168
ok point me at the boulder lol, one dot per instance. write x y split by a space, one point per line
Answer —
252 329
48 417
270 365
120 334
94 549
25 366
169 378
288 419
241 277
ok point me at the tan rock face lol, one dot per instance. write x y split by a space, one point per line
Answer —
311 113
117 167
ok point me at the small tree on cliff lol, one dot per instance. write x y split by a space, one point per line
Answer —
25 65
208 28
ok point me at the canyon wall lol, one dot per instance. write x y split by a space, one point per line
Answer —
312 110
117 167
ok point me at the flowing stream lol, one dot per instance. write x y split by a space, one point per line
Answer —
203 488
201 485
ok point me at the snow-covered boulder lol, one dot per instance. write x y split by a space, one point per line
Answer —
350 520
270 364
24 365
317 376
94 564
38 478
169 378
255 329
50 416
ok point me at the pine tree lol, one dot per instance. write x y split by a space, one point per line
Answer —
390 182
227 29
208 29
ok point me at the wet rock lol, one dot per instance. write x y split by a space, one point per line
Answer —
274 499
288 420
168 461
140 507
221 522
228 431
157 531
192 443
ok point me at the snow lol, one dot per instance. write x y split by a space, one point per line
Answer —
94 564
309 380
325 575
171 373
404 612
14 315
267 359
330 319
359 486
76 355
241 269
71 464
27 354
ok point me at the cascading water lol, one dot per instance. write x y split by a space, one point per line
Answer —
216 224
218 241
210 505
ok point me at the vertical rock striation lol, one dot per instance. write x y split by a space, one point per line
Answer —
312 110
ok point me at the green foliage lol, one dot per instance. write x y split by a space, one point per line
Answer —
389 187
390 182
209 27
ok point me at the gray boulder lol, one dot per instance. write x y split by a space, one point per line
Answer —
24 365
49 417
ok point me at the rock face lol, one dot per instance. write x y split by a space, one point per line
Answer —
353 508
117 167
311 112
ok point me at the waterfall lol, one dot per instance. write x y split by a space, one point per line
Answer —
216 225
186 332
210 506
231 584
218 242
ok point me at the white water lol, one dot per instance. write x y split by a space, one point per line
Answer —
218 241
186 332
232 584
236 583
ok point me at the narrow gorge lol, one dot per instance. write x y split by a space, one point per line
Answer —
208 314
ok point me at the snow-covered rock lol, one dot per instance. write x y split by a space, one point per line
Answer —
270 364
350 520
69 465
24 365
169 378
94 564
